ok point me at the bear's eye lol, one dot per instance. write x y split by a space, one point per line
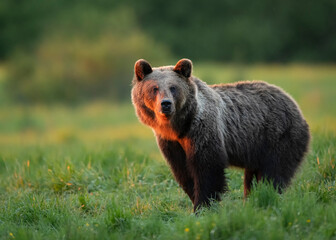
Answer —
172 89
155 90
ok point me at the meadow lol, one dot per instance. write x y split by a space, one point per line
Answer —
93 171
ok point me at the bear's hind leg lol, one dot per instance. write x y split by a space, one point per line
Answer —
248 178
278 171
285 155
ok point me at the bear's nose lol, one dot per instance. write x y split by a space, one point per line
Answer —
166 105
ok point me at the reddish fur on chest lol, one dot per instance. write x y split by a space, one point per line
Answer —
166 132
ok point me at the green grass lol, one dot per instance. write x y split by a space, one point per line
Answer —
94 172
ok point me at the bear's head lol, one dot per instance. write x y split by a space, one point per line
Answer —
159 94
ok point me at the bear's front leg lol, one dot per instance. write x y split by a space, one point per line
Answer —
207 169
176 158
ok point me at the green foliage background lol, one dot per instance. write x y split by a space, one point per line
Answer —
72 51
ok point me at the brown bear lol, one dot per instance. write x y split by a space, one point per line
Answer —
202 129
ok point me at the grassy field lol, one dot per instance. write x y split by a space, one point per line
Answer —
94 172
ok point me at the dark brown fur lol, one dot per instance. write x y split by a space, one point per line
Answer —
251 125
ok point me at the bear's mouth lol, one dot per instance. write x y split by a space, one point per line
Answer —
165 114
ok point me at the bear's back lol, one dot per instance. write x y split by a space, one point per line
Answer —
257 113
257 96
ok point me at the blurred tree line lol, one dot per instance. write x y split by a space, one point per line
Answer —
61 50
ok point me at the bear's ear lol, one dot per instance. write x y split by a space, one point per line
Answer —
141 69
184 67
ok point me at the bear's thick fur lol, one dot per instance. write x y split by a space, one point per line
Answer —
203 129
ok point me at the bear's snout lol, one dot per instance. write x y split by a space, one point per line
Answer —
166 106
